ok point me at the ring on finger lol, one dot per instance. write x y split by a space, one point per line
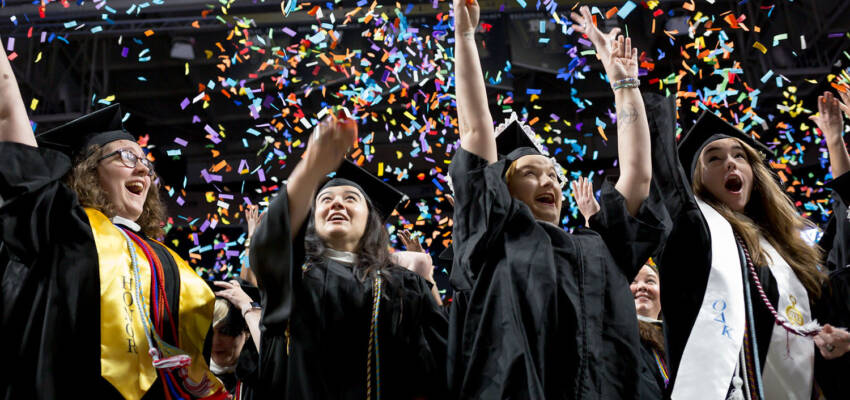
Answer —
830 348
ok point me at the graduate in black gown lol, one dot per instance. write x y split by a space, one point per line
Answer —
646 291
539 312
740 287
93 306
236 337
340 321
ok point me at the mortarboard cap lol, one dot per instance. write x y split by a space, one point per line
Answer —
707 129
75 137
515 139
383 196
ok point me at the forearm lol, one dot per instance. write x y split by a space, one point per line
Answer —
476 123
633 144
300 190
436 292
252 318
839 160
14 123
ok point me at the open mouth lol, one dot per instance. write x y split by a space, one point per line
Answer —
733 184
135 187
337 217
546 198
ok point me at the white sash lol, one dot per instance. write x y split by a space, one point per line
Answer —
711 353
789 368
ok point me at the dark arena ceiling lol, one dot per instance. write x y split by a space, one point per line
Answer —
224 91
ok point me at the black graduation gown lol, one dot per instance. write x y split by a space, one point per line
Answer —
652 381
685 261
50 283
538 312
328 312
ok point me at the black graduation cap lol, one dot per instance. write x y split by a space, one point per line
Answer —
75 137
515 139
709 128
384 197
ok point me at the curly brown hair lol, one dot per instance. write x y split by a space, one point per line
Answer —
83 180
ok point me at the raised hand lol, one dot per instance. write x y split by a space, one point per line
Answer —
832 342
410 242
330 142
831 123
583 192
252 217
624 61
829 118
233 293
467 13
844 104
601 41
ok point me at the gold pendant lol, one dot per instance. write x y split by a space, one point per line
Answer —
792 313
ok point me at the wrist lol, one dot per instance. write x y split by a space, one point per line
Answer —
625 83
466 35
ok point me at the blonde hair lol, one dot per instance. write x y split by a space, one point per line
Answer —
220 311
83 180
510 172
770 213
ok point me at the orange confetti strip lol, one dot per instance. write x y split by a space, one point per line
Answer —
149 32
219 166
611 12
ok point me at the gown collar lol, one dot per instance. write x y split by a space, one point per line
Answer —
344 257
118 220
649 320
220 370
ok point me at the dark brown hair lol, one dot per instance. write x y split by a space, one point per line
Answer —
771 213
83 180
372 249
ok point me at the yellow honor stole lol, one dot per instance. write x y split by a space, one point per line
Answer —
124 358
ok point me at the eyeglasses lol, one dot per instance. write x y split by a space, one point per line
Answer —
129 159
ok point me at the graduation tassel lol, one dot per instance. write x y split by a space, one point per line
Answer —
373 342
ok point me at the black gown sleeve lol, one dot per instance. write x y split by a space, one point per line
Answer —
836 235
432 341
631 239
685 258
30 187
276 260
482 206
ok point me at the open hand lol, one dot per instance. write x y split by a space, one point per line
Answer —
602 42
832 342
467 13
329 143
828 118
252 217
410 242
586 200
624 60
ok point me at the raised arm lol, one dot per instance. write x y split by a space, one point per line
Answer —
14 123
633 142
830 122
473 111
329 143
